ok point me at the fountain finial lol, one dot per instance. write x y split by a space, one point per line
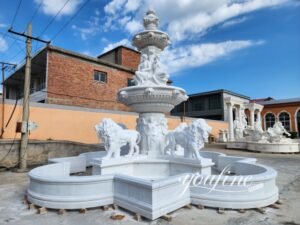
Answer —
151 20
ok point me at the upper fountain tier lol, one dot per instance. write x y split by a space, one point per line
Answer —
151 92
151 36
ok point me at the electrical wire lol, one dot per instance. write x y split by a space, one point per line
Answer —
69 21
16 13
35 12
14 139
53 18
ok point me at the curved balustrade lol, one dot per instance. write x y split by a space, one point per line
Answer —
52 186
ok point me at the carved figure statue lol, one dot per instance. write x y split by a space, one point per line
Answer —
153 131
144 70
276 132
114 137
190 137
160 76
244 119
238 129
150 70
272 135
256 133
240 125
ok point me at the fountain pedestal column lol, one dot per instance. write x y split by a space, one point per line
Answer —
152 103
230 120
152 128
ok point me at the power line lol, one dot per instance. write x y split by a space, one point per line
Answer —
18 53
35 12
52 20
70 20
14 18
16 13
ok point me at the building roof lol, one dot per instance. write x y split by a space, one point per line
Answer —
72 54
219 91
258 100
116 48
88 58
281 101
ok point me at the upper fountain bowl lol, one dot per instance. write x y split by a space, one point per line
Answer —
151 38
144 99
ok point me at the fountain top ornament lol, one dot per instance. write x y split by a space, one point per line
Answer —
151 93
151 42
151 36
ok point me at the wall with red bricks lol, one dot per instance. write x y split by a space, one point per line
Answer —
130 58
71 82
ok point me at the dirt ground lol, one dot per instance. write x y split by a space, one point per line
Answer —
13 211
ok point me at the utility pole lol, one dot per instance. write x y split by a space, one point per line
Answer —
25 115
4 65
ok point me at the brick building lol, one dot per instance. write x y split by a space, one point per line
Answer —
64 77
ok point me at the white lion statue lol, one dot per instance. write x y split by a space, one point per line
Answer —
114 137
190 137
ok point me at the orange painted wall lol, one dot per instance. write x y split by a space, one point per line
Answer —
290 109
75 123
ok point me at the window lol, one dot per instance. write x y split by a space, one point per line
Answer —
214 102
130 82
198 106
284 118
180 108
100 76
270 120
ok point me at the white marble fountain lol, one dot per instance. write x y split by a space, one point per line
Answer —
161 170
251 136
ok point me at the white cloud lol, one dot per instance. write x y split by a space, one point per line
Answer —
87 52
3 45
114 6
133 26
97 12
2 25
185 19
110 46
200 22
196 55
92 27
123 21
51 7
233 22
132 5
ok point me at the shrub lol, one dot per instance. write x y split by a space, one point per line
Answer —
294 134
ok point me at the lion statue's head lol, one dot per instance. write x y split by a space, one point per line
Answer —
202 128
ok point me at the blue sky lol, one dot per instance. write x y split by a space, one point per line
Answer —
251 47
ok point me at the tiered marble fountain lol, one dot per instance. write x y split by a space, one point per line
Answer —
251 136
152 178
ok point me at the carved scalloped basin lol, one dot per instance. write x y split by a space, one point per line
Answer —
264 147
151 38
152 98
52 186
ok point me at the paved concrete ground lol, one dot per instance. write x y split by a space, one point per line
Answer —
13 186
